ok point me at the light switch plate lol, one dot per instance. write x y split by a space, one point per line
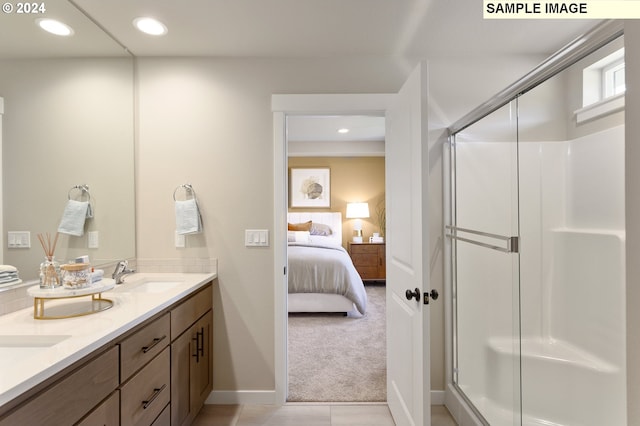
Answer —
256 237
19 239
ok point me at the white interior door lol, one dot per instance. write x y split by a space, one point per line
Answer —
408 375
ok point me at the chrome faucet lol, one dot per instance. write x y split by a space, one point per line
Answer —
122 269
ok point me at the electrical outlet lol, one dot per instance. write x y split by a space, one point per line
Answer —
180 240
93 239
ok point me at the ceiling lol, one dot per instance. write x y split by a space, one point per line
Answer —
326 128
286 28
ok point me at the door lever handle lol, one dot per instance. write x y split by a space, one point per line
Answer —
411 294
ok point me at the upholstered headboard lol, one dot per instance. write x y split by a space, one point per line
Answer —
333 219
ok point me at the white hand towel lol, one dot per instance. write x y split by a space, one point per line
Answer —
10 283
75 213
188 220
97 275
8 268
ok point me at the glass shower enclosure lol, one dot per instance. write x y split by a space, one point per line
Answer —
537 241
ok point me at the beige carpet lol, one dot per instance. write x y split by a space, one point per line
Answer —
333 358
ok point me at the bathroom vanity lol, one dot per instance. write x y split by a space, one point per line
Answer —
146 361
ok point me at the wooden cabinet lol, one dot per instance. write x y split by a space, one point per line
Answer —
105 414
142 346
69 399
369 260
157 374
147 393
192 360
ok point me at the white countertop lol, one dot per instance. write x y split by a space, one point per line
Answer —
21 368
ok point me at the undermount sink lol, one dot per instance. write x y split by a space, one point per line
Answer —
30 340
149 286
21 346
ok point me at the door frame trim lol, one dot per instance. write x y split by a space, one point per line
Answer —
281 107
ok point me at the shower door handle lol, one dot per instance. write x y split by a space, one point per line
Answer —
411 294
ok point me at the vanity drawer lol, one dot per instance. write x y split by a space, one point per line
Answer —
142 346
164 419
106 414
147 393
68 400
189 311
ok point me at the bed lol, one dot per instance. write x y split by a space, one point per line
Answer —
321 275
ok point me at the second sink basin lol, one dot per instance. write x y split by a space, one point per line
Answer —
21 346
31 341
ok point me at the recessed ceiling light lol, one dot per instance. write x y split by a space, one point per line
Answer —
343 130
150 26
54 27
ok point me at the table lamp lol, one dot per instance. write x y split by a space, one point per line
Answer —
357 211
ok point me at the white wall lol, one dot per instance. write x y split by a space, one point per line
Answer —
1 216
632 206
208 122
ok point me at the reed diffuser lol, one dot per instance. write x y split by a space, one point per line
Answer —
50 268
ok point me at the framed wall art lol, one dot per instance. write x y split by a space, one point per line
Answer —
310 187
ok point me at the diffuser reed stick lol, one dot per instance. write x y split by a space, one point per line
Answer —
49 276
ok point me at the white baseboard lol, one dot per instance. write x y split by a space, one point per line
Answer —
242 397
269 397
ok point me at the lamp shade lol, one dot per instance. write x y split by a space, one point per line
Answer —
357 210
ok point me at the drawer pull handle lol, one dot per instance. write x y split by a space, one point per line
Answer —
157 340
156 392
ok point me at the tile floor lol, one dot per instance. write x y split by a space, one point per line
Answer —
301 414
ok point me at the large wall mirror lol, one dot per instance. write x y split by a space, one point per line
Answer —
68 121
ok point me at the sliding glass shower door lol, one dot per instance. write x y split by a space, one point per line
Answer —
484 236
538 252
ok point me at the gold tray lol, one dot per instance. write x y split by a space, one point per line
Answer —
96 304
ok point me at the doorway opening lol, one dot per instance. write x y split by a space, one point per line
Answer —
284 107
336 346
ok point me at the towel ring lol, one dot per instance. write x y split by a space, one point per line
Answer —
84 189
188 190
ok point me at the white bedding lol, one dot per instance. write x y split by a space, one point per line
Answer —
319 265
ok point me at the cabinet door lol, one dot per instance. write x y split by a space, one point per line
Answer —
181 350
191 370
202 365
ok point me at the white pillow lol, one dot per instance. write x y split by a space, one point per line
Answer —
298 236
320 229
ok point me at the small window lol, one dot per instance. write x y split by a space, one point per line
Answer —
613 79
603 79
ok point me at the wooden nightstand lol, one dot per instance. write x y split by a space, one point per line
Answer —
369 260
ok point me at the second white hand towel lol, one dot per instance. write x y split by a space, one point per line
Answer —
75 213
188 219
